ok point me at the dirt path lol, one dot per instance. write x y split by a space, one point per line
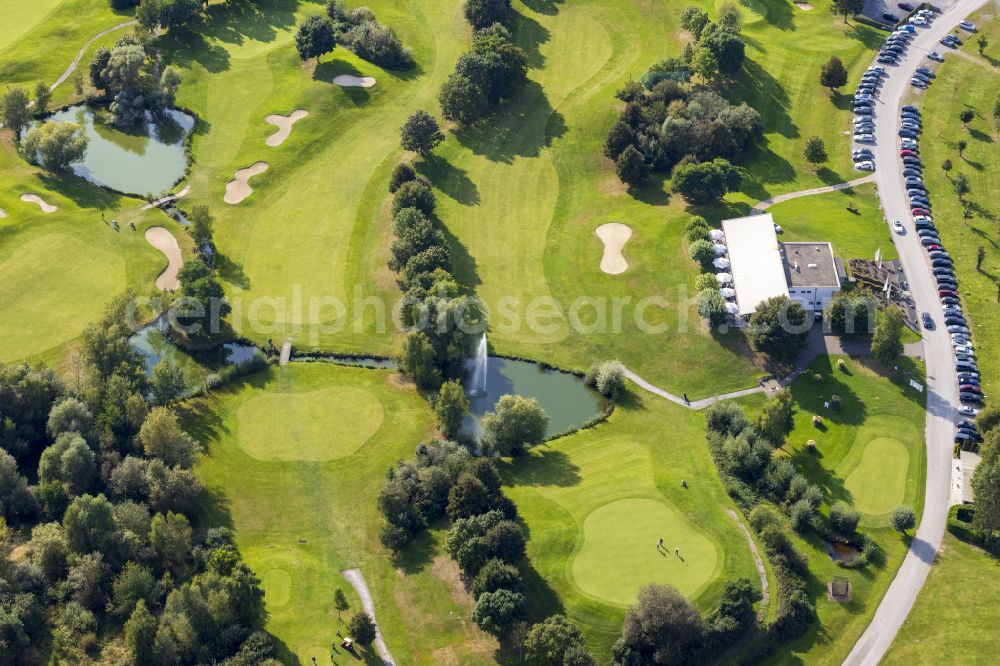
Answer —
79 55
765 594
978 61
357 580
767 203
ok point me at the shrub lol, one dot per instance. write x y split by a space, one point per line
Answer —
362 628
403 173
903 518
515 423
843 518
496 612
817 378
607 378
702 251
697 234
496 575
706 281
802 515
414 194
835 401
817 420
394 538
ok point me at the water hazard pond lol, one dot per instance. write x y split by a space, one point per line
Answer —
564 397
145 159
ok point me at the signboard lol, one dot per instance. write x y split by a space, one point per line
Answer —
917 385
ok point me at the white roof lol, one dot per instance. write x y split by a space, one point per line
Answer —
756 265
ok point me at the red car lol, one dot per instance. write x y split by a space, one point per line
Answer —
947 292
920 211
971 388
905 152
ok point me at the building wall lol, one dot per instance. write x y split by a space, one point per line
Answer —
813 298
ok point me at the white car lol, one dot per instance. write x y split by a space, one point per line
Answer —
865 166
968 26
968 410
934 55
897 226
865 138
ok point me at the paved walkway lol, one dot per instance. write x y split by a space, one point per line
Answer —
357 581
694 404
767 203
979 61
286 353
167 199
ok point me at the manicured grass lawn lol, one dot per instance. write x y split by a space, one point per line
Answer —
824 217
40 39
597 501
964 84
950 622
58 270
869 453
299 522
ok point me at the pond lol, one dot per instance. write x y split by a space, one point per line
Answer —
841 552
564 397
145 159
155 346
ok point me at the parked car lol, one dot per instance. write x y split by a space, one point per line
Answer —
926 72
974 398
907 133
948 292
865 166
934 55
967 25
890 18
908 153
968 411
927 321
930 241
897 226
865 138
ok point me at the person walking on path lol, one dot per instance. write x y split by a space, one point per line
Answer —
677 552
686 401
659 544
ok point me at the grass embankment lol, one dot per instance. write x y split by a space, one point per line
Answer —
969 83
949 623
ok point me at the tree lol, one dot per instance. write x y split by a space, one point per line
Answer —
340 601
980 256
848 7
133 584
775 419
177 13
483 13
705 182
705 64
162 436
15 110
982 41
607 378
48 550
418 361
201 226
362 628
90 524
515 423
946 165
711 306
631 166
468 497
167 382
140 632
962 145
833 74
887 342
728 48
966 115
414 194
461 100
505 541
403 173
661 628
55 145
314 38
778 328
903 518
147 15
450 407
702 251
496 575
202 306
815 151
420 133
496 612
70 415
961 185
694 19
70 461
843 518
549 640
42 97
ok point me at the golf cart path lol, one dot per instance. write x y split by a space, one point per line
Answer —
86 44
694 404
778 198
170 198
941 391
357 581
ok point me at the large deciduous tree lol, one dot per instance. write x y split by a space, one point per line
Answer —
833 74
515 423
420 133
778 328
55 145
314 38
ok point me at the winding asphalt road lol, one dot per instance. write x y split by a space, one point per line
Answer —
942 392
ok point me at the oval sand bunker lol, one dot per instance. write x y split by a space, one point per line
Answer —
164 241
35 199
614 235
351 81
239 189
284 125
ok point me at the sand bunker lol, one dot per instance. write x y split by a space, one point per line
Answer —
239 189
3 213
284 125
614 235
804 6
35 199
164 241
350 81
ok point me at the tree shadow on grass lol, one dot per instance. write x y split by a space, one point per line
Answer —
450 179
236 21
829 176
187 48
327 71
811 466
231 272
766 167
417 555
777 13
529 34
759 89
651 191
811 397
463 264
841 100
543 467
546 7
543 601
867 36
79 190
522 128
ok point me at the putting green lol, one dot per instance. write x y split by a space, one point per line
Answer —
53 279
277 585
619 553
318 425
878 483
